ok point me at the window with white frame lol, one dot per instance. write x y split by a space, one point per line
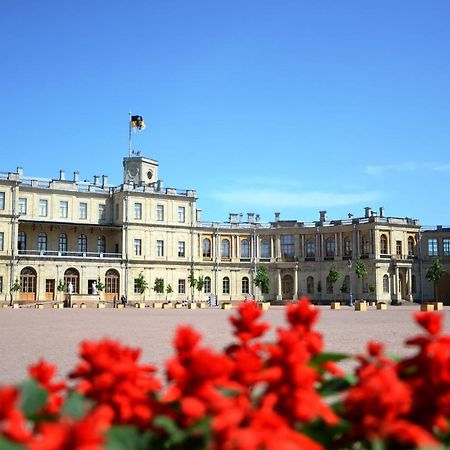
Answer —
22 205
206 248
2 200
226 285
138 211
225 248
160 212
159 247
82 243
42 242
138 247
181 286
446 246
329 247
348 247
181 249
43 207
62 243
265 248
245 248
386 284
101 244
83 210
207 285
63 209
287 246
384 244
245 285
411 246
181 214
310 248
21 241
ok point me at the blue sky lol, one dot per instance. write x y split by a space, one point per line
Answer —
261 106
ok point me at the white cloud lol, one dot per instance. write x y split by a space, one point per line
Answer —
409 166
280 198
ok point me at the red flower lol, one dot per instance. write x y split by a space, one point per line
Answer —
246 326
432 322
110 375
12 421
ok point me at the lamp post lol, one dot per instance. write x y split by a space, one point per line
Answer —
349 264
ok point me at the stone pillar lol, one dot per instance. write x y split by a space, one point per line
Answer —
279 296
396 283
296 283
409 285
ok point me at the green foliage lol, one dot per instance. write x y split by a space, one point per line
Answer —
60 287
158 286
344 288
200 283
371 288
141 283
16 286
33 398
169 289
99 285
360 270
75 405
435 271
333 275
262 279
191 279
129 438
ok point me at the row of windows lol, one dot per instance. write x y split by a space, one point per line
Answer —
245 285
62 242
160 248
433 249
225 248
181 213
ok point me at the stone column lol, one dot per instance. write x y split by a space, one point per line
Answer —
409 293
296 282
279 296
396 283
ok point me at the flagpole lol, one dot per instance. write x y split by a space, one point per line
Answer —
129 134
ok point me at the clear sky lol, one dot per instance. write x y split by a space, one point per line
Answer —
261 106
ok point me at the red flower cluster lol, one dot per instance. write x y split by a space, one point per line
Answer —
256 394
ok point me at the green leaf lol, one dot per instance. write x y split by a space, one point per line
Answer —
176 435
128 438
328 356
378 445
333 386
33 398
5 444
75 405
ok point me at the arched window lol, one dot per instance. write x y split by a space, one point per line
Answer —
72 276
310 248
365 245
329 285
265 248
112 281
386 284
245 285
101 244
225 248
348 247
310 285
62 243
329 243
82 243
245 248
21 241
226 285
207 285
383 244
42 242
411 246
28 281
206 248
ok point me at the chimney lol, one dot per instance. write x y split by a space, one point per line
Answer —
76 176
367 211
104 181
62 175
323 216
381 211
277 216
251 217
233 218
96 179
20 171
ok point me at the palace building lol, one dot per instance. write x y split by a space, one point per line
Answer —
59 231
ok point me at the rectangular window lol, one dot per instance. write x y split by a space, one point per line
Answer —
181 286
160 212
50 285
446 246
181 214
63 209
2 238
83 210
137 286
159 248
2 200
265 248
1 285
432 247
398 247
287 246
138 247
138 211
43 207
22 205
101 212
181 249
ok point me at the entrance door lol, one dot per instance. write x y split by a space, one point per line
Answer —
49 290
112 280
27 285
287 287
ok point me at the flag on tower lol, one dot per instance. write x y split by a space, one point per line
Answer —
137 122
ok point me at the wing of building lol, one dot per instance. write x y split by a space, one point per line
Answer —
63 232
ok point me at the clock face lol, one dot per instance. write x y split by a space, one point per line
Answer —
133 171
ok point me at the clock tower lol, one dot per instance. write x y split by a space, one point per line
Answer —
140 170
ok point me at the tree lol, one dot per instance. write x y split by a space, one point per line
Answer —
99 285
361 272
169 290
434 274
141 283
333 275
192 282
158 286
200 283
262 279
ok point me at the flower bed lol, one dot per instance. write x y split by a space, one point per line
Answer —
287 393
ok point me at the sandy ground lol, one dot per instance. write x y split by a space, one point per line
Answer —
28 334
